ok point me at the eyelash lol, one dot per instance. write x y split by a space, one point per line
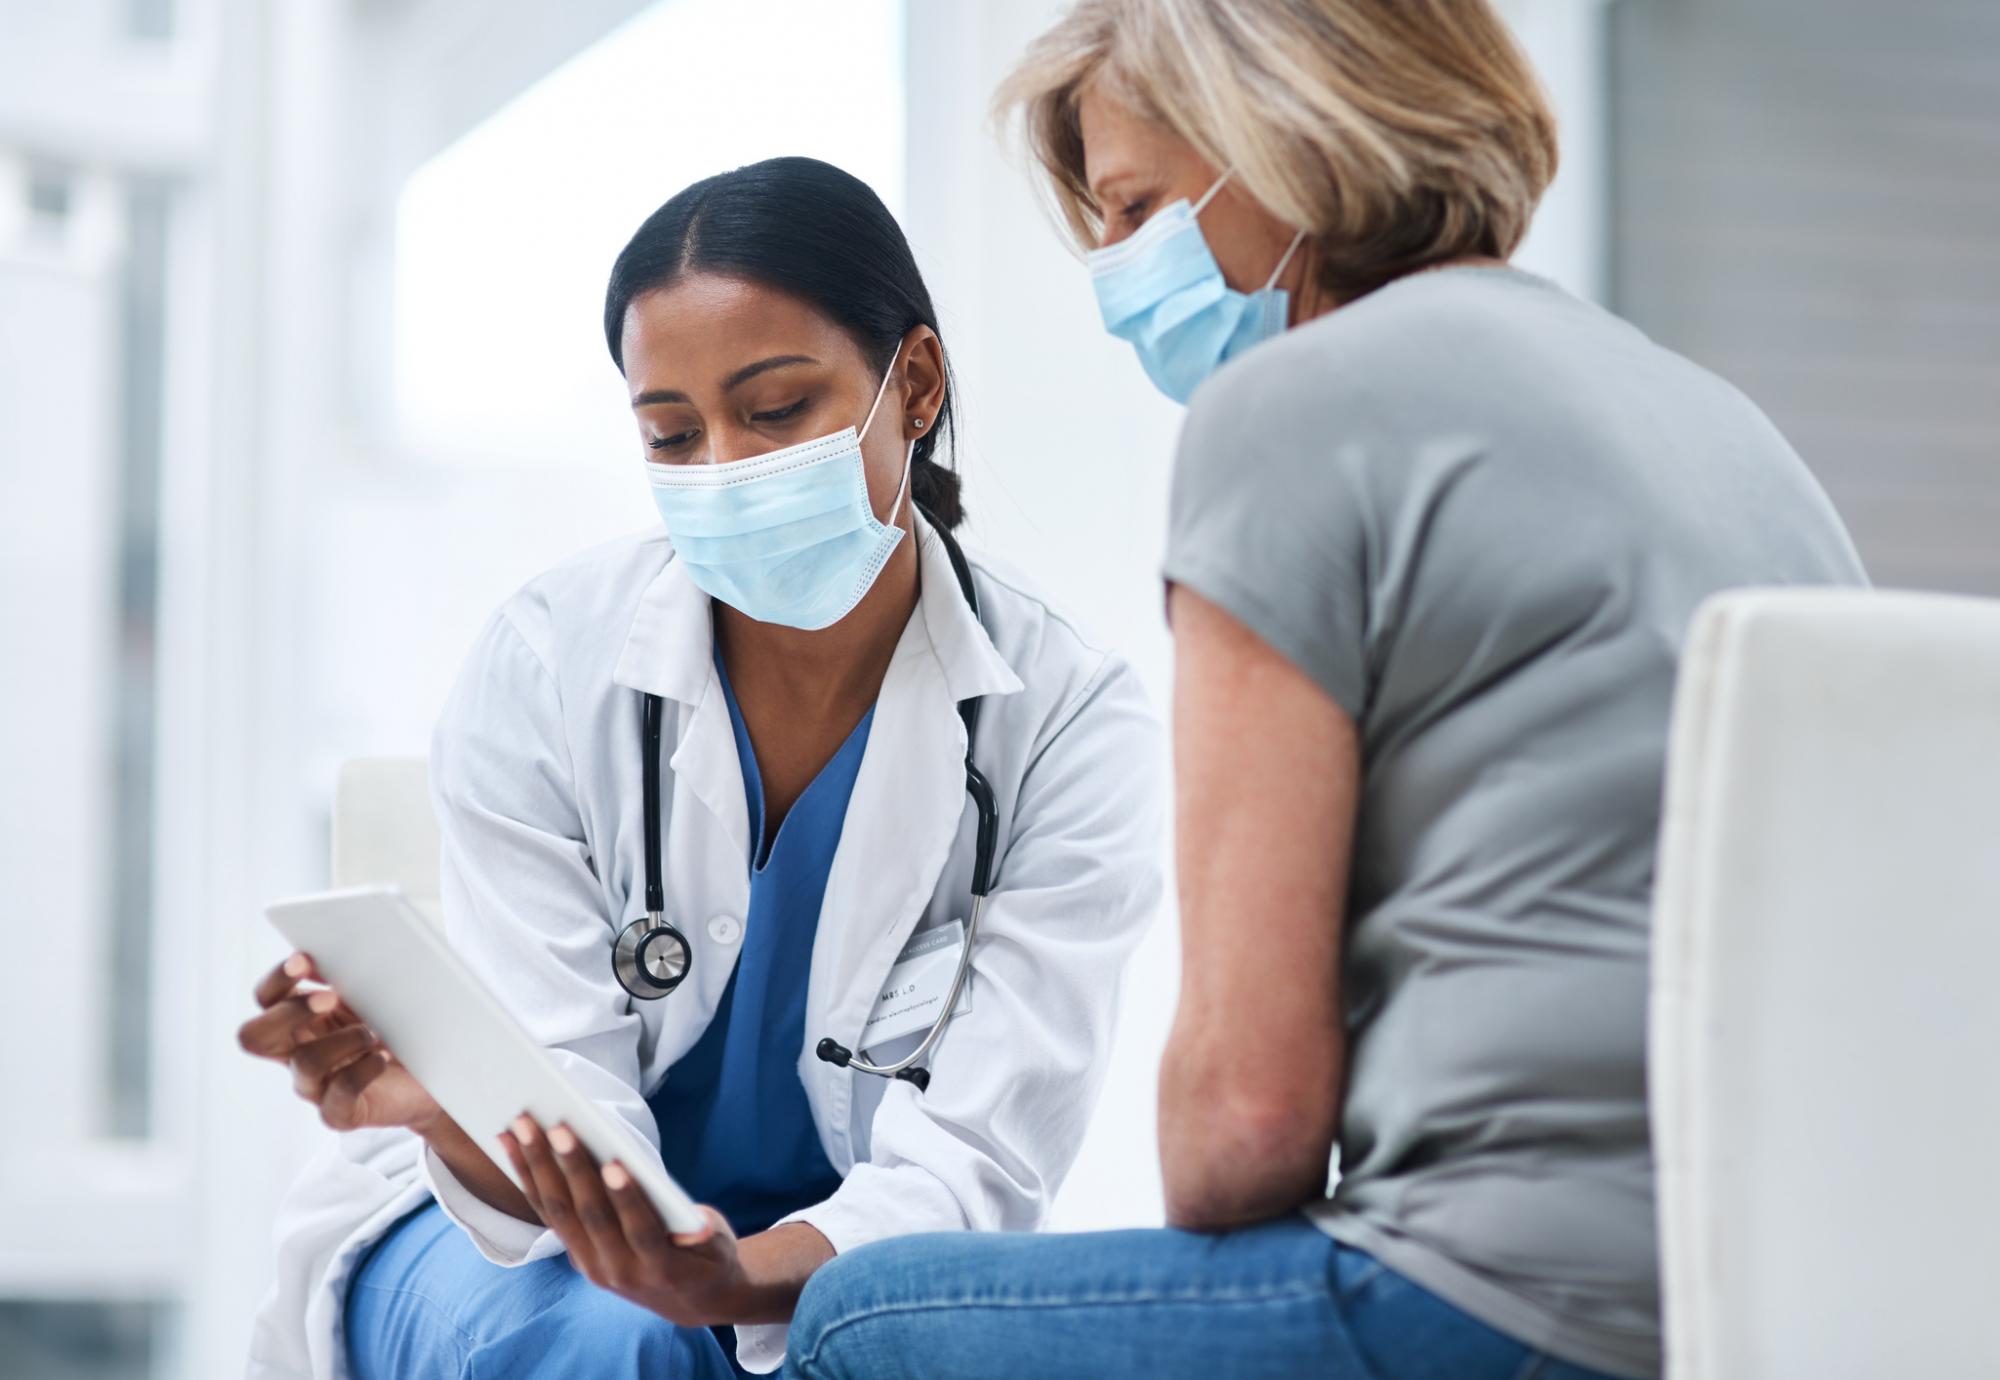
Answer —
681 438
782 414
1135 209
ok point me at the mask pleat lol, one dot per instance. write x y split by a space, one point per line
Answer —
793 544
1162 291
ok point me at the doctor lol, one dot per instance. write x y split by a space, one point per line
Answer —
812 649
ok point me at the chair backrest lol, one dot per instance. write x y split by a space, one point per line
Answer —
1825 1034
383 829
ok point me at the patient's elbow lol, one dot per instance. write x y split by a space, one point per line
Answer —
1252 1154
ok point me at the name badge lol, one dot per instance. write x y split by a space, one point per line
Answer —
917 985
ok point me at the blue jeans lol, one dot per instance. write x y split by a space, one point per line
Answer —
1279 1300
423 1304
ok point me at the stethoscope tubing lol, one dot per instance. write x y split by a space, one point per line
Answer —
916 1056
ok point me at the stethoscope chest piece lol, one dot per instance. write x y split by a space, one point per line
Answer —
652 958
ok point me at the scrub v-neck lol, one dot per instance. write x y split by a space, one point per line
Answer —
735 1127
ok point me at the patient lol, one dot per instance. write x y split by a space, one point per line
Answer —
1437 532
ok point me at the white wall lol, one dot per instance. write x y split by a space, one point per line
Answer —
1569 240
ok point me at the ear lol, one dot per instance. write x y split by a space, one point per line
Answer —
923 388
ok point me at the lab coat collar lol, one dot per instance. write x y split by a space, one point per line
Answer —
670 649
972 665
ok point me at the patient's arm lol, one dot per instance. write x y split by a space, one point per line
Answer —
1267 774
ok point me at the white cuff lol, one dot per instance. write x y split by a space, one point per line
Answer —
500 1236
760 1347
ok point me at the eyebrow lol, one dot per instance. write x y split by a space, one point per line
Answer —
740 377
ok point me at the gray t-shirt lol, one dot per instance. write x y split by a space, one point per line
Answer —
1480 513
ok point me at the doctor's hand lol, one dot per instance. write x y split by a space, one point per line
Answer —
615 1236
337 1063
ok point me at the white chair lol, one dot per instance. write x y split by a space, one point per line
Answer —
383 829
1826 990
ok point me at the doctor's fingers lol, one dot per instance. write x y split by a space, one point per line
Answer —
341 1093
275 1033
316 1061
641 1221
556 1203
281 980
618 1266
542 1182
524 1175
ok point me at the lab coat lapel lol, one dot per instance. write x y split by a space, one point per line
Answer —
707 767
670 648
670 652
906 810
900 823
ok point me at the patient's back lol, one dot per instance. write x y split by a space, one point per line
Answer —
1480 513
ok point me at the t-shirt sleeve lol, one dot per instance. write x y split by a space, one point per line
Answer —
1269 521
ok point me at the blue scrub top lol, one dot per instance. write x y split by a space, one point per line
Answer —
735 1127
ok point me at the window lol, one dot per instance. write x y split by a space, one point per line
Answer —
133 727
82 1341
1811 212
504 240
82 316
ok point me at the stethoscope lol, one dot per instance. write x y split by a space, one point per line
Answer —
653 957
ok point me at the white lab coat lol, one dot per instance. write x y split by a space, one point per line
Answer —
536 782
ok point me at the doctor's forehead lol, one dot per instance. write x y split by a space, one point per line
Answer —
693 334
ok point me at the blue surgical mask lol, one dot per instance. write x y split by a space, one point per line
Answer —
1161 290
787 537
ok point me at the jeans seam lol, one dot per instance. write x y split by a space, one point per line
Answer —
1348 1293
1532 1365
1228 1298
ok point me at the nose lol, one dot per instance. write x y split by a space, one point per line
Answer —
731 442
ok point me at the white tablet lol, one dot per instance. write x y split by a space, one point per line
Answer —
394 968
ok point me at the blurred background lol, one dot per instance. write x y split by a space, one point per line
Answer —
301 374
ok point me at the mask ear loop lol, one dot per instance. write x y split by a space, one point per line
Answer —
1290 250
1209 195
903 486
881 389
909 456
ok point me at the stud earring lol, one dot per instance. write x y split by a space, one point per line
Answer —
917 422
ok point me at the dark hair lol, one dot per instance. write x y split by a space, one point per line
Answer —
820 234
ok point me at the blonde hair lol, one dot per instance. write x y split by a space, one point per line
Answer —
1396 133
